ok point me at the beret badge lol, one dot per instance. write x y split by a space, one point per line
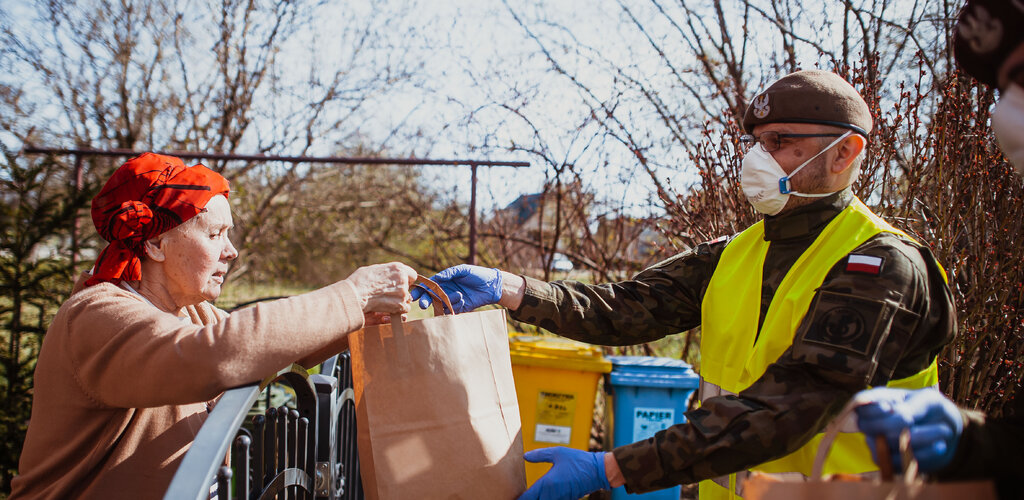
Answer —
761 108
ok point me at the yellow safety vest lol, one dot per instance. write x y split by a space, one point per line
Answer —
732 361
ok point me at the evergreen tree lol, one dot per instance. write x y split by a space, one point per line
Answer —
37 208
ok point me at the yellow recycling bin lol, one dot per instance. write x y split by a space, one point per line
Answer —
556 384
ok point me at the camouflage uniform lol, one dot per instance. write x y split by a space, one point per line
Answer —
898 319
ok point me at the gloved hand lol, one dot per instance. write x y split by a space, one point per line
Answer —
573 473
468 287
934 421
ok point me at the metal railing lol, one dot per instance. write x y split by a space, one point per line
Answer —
302 452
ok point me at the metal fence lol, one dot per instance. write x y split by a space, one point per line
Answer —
303 451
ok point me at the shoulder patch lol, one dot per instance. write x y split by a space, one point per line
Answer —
847 322
867 264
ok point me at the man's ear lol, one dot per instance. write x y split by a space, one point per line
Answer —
155 248
847 151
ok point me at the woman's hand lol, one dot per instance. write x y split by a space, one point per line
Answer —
378 318
384 288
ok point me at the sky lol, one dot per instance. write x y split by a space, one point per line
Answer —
472 56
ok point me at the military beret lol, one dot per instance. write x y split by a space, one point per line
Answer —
810 96
986 32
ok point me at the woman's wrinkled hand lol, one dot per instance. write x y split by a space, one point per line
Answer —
384 288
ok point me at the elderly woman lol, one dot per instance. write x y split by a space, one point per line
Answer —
133 357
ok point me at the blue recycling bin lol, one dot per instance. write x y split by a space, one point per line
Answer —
647 394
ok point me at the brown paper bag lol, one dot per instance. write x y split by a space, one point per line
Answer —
909 487
436 408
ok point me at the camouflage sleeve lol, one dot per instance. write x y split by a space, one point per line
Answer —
990 448
861 328
659 301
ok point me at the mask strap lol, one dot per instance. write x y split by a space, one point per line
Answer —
813 195
784 185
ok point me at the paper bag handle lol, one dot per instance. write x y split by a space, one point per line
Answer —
436 292
846 418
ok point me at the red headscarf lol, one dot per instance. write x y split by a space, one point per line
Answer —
148 195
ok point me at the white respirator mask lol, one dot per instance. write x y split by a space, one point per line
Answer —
1008 125
767 185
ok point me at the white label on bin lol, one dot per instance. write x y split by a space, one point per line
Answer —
552 434
648 421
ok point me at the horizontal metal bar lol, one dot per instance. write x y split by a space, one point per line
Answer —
349 160
197 470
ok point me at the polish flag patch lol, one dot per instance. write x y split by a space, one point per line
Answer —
868 264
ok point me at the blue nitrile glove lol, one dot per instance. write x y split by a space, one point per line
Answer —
468 287
934 421
573 473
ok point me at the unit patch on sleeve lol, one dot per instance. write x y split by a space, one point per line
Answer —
867 264
847 323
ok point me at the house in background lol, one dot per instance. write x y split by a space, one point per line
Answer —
553 233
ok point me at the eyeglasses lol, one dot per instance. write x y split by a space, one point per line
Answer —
772 141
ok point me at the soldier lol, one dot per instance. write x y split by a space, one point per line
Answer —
988 43
798 312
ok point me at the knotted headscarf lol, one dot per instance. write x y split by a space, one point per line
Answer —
148 195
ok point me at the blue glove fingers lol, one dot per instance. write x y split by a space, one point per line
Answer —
932 457
927 434
539 455
931 445
553 484
886 422
419 293
881 413
574 473
457 297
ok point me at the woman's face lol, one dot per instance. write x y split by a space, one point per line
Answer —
197 254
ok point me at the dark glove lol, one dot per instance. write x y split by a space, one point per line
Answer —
934 421
468 287
573 473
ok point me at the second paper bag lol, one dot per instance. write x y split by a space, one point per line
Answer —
436 409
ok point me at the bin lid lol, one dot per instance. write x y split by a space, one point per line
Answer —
649 371
552 352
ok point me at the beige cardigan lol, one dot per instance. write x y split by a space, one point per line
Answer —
121 387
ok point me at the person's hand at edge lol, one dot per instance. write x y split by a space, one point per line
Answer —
574 473
934 421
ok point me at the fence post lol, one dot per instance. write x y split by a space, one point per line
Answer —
75 222
472 216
